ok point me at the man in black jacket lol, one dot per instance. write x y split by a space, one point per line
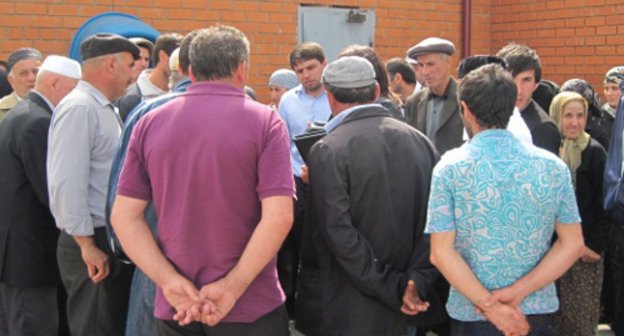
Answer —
526 69
365 258
29 275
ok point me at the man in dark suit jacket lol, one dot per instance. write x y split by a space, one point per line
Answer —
29 275
434 110
364 263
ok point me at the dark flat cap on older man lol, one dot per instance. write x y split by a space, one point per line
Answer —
431 45
349 72
22 54
106 44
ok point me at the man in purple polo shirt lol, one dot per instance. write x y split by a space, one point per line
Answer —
217 167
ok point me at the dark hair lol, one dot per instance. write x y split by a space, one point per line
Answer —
217 52
166 42
521 58
360 95
306 51
184 60
5 87
474 62
400 66
5 64
490 94
145 44
371 55
545 92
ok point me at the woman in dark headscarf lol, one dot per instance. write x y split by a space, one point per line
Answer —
580 286
612 93
386 98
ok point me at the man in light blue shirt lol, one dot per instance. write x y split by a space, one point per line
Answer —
299 108
494 205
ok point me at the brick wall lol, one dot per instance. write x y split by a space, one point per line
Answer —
271 26
574 38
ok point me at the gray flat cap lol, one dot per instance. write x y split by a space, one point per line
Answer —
349 72
21 55
431 45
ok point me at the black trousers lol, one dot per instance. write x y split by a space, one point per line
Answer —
28 311
616 248
93 309
289 253
274 323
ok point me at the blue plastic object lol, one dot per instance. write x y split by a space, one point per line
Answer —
111 22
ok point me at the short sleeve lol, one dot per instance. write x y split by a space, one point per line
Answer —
441 208
134 179
567 212
275 176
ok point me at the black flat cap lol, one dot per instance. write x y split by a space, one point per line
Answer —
431 45
106 44
22 54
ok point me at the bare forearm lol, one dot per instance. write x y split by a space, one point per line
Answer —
566 250
265 241
84 241
457 272
138 242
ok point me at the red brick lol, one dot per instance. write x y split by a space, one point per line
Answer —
169 3
606 30
47 21
30 8
62 10
586 31
15 33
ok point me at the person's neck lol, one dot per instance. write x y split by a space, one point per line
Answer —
439 90
525 107
316 92
159 78
407 91
228 81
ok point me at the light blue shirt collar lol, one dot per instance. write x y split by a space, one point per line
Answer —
337 120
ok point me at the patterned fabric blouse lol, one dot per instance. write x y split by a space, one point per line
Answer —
502 197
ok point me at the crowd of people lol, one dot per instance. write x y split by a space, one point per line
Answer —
145 191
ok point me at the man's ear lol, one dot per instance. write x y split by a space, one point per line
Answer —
191 74
11 79
398 77
110 62
240 74
464 110
163 58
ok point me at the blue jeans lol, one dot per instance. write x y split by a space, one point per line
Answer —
541 325
141 320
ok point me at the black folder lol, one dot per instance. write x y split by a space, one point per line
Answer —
306 140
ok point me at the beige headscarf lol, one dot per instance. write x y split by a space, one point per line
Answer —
571 149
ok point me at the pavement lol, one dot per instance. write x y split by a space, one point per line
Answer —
603 330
